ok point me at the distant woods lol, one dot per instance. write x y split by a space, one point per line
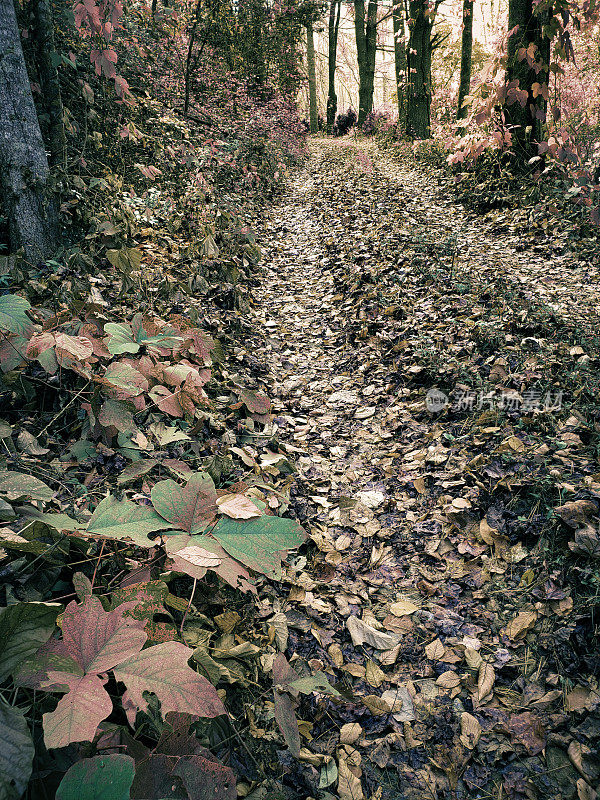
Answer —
527 36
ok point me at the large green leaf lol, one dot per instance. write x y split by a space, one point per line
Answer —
258 542
16 752
122 519
190 508
12 314
24 628
19 485
99 778
126 338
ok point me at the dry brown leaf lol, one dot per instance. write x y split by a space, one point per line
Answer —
518 627
360 633
485 680
403 608
238 506
374 675
375 704
350 732
198 556
448 680
435 650
470 730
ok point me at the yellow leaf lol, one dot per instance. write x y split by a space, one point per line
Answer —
402 608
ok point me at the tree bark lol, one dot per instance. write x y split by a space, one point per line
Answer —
529 116
49 82
418 57
312 78
366 49
399 58
335 8
24 172
466 58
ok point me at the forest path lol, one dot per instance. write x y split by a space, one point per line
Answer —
425 524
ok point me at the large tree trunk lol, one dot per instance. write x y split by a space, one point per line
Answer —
366 49
49 82
399 59
24 171
418 56
335 8
527 113
466 58
312 78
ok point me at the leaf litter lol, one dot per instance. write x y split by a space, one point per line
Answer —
438 594
415 390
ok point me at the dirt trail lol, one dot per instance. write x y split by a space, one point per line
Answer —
427 585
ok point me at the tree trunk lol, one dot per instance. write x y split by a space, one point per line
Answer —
466 58
49 81
335 8
418 57
399 58
366 49
24 171
312 78
527 113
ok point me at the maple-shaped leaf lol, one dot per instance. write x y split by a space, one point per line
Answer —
163 670
122 519
97 639
258 542
79 712
189 508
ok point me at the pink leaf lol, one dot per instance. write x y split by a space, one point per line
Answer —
163 670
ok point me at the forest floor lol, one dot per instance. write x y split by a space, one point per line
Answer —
436 384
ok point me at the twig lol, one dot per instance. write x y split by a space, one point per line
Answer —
62 411
189 605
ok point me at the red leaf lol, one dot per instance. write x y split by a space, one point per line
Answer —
163 669
98 640
79 712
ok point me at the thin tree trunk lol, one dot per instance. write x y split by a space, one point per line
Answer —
527 114
418 121
24 171
188 61
466 58
335 8
366 49
312 78
399 57
49 81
